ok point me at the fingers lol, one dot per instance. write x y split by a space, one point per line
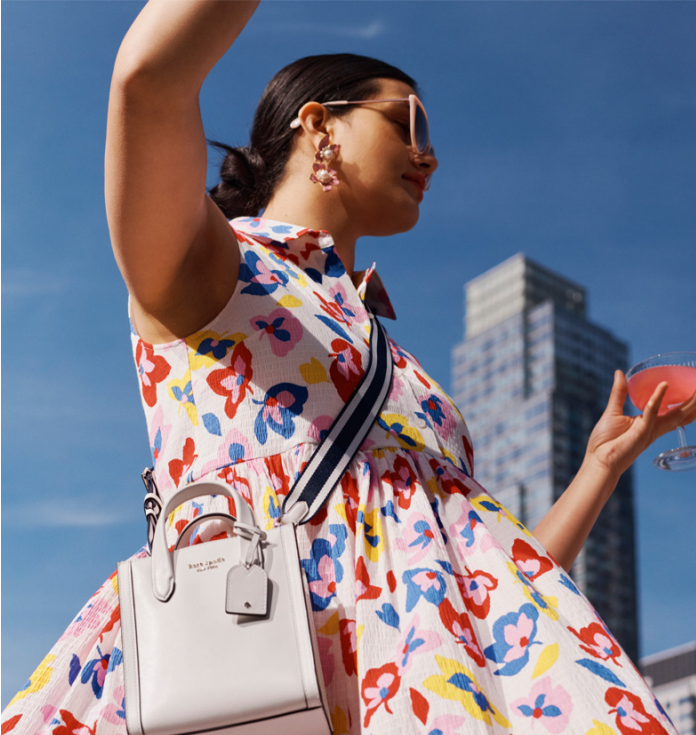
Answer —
681 415
617 398
652 407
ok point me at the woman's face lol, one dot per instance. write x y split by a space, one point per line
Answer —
378 169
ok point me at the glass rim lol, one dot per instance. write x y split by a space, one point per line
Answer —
640 366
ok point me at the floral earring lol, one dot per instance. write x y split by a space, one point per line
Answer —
323 173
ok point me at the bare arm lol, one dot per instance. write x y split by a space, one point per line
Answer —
614 444
172 244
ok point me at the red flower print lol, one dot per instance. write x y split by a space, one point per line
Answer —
451 485
631 717
598 642
351 499
364 589
152 369
73 726
233 382
346 368
177 467
379 686
531 564
459 625
403 480
10 724
475 589
349 646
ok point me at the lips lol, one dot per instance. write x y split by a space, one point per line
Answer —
418 179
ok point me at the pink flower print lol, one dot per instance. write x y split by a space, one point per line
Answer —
397 388
261 279
417 537
470 534
283 329
319 428
475 589
548 705
596 641
415 640
379 685
351 313
631 717
326 585
152 369
518 635
234 381
438 413
346 368
116 713
91 618
234 448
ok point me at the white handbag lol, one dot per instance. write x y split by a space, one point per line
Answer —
219 637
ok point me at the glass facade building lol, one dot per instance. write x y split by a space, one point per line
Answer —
532 376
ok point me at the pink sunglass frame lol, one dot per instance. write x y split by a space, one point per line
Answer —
413 101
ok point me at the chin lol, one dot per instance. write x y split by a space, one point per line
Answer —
392 219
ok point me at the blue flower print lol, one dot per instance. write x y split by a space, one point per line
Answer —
323 569
98 668
280 406
514 634
261 279
426 583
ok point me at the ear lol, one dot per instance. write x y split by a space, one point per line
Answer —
316 122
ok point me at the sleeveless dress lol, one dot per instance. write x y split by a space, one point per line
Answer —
437 612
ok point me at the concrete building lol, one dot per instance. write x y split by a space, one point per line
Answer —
532 376
672 675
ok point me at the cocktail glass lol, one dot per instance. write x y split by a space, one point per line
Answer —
679 370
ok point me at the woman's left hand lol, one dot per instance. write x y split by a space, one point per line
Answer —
617 439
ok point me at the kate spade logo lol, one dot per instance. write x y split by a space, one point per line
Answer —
204 566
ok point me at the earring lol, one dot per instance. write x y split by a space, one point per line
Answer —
323 173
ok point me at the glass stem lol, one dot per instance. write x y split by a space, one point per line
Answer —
682 435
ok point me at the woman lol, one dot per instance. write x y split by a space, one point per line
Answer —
435 609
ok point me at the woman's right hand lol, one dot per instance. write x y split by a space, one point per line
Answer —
174 247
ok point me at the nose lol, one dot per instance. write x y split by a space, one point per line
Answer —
426 162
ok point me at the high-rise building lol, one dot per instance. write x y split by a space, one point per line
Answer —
532 376
672 676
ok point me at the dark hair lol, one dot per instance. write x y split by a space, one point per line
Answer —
249 175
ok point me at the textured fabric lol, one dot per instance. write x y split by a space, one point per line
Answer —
437 612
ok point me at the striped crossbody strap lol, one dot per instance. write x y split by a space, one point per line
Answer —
347 433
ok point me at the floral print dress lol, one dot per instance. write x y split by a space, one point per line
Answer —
437 612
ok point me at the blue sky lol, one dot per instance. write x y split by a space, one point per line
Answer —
566 130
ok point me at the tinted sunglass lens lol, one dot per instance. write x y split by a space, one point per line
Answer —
421 129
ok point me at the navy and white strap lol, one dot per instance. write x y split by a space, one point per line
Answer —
336 451
347 433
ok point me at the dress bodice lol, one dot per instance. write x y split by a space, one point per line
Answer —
274 368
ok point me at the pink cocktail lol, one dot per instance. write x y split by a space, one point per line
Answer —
682 385
679 370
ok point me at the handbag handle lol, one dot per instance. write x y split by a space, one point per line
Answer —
162 566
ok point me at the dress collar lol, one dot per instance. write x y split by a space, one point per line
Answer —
303 246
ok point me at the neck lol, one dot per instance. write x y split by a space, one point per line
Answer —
303 203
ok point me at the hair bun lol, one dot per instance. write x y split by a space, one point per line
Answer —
242 174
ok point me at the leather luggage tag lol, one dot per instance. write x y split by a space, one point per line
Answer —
247 589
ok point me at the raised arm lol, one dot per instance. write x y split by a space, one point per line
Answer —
615 443
172 244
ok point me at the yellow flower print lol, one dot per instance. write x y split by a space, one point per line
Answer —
207 348
182 391
546 604
487 504
371 525
459 684
37 681
271 507
397 426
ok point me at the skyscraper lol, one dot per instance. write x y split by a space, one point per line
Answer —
532 376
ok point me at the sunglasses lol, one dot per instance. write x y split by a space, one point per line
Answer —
420 135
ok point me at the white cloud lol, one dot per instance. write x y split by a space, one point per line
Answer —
367 32
65 513
31 282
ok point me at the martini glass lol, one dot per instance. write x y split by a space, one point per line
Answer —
679 370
